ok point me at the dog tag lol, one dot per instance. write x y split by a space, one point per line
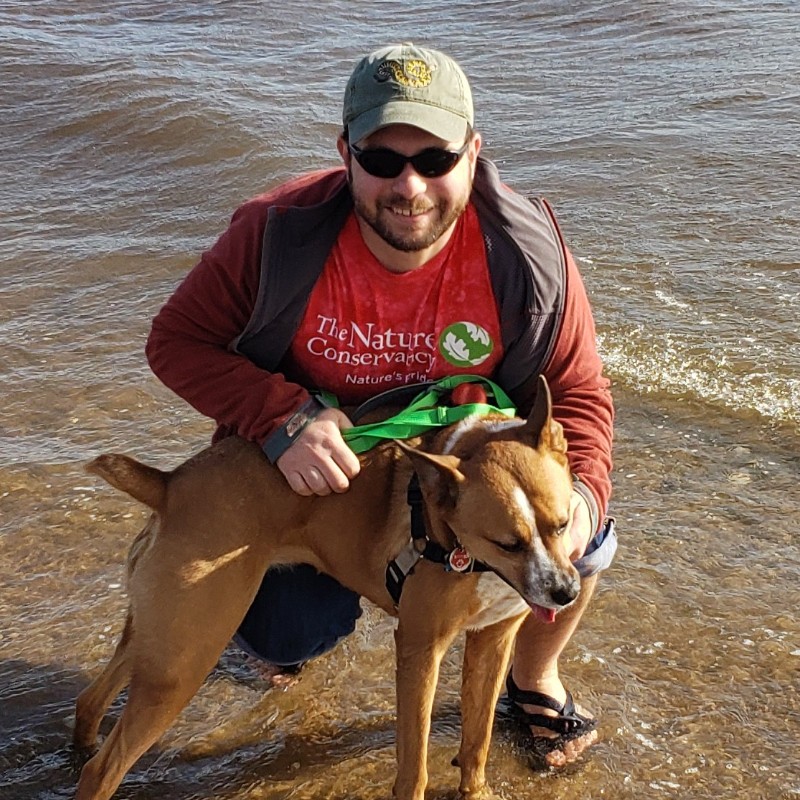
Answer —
459 560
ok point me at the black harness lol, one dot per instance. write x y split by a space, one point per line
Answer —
420 546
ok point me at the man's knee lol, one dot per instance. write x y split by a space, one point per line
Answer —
600 551
297 614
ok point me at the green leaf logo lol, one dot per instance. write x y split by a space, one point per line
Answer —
465 344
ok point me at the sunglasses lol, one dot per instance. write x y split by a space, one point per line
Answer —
381 162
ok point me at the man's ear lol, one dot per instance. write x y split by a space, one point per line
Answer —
478 141
474 150
344 151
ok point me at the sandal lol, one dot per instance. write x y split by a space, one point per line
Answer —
568 725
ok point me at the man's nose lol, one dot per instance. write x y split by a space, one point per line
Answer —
409 183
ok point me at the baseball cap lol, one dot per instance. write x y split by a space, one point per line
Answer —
408 85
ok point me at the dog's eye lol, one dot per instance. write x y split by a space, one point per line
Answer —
562 529
511 547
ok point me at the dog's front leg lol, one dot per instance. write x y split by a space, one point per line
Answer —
486 655
422 638
417 676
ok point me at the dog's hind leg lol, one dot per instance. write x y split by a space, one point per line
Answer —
168 665
153 703
184 613
486 655
94 701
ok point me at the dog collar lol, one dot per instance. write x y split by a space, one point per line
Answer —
420 546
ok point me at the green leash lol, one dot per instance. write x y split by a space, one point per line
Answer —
424 413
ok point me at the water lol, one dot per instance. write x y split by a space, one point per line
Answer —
667 137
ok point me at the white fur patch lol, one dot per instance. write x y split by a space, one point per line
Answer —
541 557
525 507
542 565
498 602
466 424
495 425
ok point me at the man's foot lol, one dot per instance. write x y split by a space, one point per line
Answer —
275 675
559 732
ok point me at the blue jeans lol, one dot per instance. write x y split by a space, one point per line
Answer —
298 614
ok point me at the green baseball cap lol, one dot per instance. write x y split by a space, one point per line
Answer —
408 85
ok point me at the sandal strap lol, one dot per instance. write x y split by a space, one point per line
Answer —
529 698
568 721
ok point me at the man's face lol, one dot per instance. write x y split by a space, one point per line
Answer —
410 213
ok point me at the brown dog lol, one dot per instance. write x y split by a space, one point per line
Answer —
500 488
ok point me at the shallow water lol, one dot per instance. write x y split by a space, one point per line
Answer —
665 134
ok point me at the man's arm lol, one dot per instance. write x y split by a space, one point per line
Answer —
189 344
582 401
189 350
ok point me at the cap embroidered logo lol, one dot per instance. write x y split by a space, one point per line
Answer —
414 73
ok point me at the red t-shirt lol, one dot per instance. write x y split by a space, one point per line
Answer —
189 344
367 329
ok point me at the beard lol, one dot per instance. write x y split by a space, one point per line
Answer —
379 218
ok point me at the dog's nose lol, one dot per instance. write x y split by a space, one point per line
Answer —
564 595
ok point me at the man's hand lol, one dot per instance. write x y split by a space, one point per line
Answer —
319 461
580 531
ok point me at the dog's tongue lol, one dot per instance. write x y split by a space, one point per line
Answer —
543 614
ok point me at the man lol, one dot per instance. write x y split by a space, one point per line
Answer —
411 263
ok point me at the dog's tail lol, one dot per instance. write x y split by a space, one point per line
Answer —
146 484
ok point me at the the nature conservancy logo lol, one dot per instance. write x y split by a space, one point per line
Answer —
465 344
375 355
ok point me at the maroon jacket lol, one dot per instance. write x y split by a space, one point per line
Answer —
220 340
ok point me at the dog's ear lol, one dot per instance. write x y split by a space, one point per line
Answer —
444 465
540 425
440 470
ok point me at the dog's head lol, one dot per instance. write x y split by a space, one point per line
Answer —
502 489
